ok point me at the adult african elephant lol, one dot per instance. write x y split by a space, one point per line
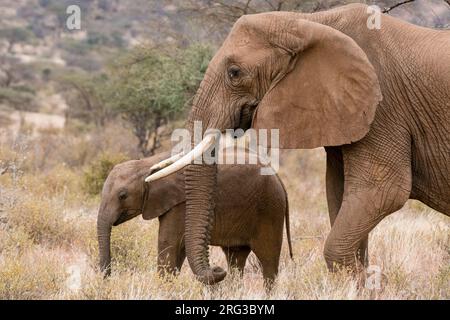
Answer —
378 100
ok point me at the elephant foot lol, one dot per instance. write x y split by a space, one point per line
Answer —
212 276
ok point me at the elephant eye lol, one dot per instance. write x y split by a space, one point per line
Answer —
123 195
234 72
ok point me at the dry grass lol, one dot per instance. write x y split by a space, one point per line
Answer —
48 243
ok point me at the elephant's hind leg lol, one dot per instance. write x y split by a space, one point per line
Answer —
236 257
268 254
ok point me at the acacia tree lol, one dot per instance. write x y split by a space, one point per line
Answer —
86 96
13 36
151 87
13 89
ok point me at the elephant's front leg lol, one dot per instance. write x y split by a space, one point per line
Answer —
357 216
170 257
171 250
376 185
335 192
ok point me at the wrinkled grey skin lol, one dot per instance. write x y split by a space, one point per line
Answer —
249 214
404 155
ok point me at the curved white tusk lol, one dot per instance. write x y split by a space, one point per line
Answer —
185 160
167 162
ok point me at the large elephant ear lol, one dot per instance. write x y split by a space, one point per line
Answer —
327 94
162 195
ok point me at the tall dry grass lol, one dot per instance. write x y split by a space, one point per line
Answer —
48 244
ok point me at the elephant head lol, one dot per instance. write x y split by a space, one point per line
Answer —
274 71
125 196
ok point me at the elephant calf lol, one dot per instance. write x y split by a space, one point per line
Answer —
249 213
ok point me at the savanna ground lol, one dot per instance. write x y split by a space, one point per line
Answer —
48 247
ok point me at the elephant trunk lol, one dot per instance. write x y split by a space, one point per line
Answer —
200 184
104 245
200 188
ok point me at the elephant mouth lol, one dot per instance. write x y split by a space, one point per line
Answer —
120 220
246 116
126 215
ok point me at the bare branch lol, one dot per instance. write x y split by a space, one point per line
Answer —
280 5
389 9
272 7
247 6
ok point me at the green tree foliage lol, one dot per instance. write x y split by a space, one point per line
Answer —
18 97
15 35
149 87
195 62
87 97
96 174
14 91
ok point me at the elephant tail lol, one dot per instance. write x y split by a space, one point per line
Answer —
288 228
286 219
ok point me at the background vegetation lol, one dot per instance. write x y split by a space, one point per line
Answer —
74 103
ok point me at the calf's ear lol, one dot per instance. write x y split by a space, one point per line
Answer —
162 195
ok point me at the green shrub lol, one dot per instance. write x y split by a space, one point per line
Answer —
96 174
